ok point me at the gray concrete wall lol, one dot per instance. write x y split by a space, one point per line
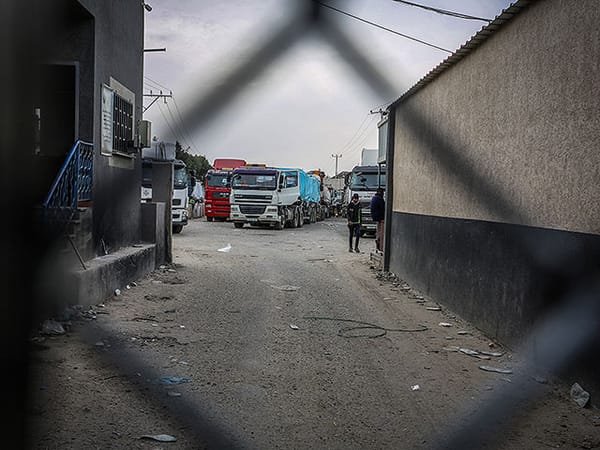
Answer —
118 49
496 172
522 112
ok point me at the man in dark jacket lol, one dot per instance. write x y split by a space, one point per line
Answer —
353 213
378 214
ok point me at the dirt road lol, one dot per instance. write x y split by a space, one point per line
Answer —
285 340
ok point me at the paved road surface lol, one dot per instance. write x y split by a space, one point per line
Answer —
267 337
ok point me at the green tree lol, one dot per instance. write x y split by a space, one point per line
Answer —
197 165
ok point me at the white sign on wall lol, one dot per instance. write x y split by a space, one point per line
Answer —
107 119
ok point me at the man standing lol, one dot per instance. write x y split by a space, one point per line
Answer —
378 214
353 212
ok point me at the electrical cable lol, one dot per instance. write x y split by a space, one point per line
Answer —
355 135
444 11
348 332
175 135
179 128
181 122
385 28
161 86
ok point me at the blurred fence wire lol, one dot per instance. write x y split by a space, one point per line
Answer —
551 347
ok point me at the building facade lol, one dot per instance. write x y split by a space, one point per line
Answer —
495 167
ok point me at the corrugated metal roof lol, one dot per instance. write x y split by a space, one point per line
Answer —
476 40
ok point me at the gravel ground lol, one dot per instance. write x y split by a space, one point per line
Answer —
284 341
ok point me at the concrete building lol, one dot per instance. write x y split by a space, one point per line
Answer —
88 92
494 169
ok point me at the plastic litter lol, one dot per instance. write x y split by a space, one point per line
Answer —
294 327
579 395
468 351
174 380
433 308
484 352
287 288
117 292
159 437
174 394
225 249
416 387
445 324
495 369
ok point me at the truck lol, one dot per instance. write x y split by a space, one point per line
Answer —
364 181
179 204
218 188
272 196
323 211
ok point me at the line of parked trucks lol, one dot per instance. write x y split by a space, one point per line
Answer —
260 195
281 197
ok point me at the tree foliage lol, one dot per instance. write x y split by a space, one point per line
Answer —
197 165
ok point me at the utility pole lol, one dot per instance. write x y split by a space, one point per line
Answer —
336 156
156 97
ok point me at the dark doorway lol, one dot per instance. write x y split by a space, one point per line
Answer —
55 120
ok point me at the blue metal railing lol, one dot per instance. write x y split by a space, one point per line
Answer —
72 185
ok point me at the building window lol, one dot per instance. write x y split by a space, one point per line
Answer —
122 124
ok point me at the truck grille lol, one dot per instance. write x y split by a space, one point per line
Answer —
252 198
252 209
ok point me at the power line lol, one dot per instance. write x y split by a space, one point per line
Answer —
175 135
358 130
182 122
384 28
162 86
362 138
444 11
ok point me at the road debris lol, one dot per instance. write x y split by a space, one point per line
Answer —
445 324
463 333
159 437
495 369
579 395
117 292
476 354
174 380
294 327
225 249
52 328
433 308
485 352
287 288
416 387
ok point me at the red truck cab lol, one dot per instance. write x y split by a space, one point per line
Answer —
217 187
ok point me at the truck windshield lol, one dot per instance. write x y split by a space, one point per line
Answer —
266 182
362 181
217 180
179 177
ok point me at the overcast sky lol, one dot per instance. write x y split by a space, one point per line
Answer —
308 104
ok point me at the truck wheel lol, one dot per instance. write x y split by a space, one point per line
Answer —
177 229
280 224
209 219
238 224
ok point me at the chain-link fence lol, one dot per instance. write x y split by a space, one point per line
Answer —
551 347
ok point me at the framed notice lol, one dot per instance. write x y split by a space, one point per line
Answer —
108 99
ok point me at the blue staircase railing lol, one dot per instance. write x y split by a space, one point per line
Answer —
72 185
